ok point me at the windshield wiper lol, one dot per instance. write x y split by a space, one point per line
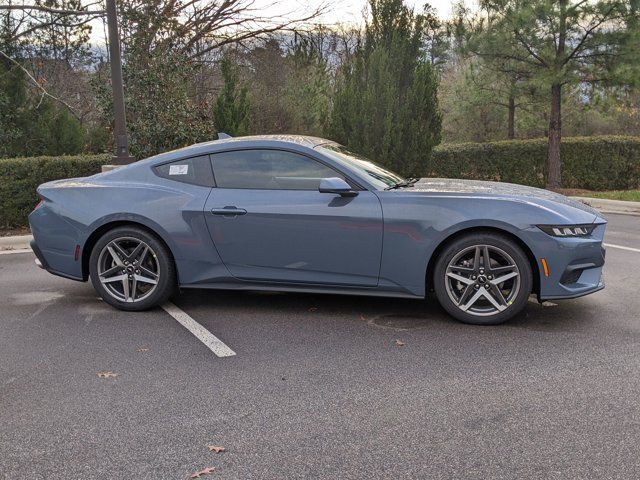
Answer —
407 183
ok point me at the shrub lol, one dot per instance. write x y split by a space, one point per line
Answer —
19 178
592 163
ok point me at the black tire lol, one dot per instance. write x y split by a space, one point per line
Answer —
158 260
448 289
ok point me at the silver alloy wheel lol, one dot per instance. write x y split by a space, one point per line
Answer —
482 280
128 269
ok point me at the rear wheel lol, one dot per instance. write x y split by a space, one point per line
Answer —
132 269
483 279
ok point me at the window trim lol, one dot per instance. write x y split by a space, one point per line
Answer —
348 178
154 169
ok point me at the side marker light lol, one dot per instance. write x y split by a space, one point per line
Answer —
545 267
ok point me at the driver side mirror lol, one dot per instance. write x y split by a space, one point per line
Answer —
336 185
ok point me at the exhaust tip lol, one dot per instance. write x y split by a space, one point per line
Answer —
38 263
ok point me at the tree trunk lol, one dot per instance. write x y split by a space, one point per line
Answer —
511 133
554 179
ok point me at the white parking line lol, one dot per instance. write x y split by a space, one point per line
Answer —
216 345
18 250
622 247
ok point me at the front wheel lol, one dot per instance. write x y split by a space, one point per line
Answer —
482 278
132 269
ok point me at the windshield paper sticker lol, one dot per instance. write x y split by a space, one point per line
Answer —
178 169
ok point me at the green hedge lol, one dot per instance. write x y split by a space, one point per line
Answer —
591 163
19 178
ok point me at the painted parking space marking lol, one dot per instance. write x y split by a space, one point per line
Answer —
621 247
217 346
18 250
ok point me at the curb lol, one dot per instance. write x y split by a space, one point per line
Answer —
611 206
17 242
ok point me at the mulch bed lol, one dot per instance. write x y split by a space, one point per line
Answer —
573 192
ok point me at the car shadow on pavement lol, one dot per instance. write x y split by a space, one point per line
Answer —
386 313
563 316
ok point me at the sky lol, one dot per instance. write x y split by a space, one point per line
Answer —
350 11
340 11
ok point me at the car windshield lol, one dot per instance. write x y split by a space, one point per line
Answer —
377 175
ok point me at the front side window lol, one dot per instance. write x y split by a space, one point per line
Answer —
194 170
269 170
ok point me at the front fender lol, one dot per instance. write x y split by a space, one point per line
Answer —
416 224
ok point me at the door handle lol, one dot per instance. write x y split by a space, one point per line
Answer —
229 211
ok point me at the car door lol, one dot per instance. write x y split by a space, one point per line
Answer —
270 223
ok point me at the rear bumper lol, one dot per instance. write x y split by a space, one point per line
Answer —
54 242
41 262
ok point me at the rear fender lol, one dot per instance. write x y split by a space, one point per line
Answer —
98 228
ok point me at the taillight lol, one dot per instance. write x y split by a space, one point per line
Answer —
38 205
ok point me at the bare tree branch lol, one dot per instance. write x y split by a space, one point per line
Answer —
59 11
39 86
60 14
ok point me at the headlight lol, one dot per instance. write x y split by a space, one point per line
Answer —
568 230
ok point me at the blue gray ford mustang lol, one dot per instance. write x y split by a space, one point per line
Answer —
295 213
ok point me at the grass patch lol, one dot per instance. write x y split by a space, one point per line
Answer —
628 195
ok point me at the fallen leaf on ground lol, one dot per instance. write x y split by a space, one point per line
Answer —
107 374
313 309
214 448
363 318
204 471
399 343
143 349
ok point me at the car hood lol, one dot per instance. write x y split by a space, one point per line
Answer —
477 187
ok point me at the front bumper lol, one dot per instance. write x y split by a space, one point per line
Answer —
590 280
575 265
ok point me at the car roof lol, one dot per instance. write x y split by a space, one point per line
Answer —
305 140
251 141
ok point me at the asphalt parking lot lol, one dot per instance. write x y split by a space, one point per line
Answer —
319 386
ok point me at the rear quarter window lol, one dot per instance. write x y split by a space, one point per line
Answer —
194 171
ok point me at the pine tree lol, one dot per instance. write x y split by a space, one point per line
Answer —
12 89
231 111
385 105
30 124
557 45
307 97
